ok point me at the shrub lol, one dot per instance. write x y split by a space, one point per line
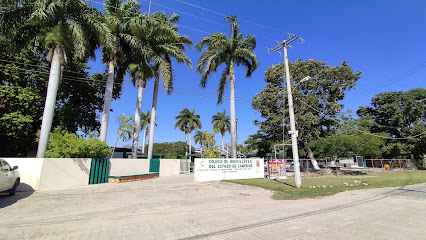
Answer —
63 144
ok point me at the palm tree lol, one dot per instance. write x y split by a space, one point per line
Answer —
166 44
118 14
235 50
66 27
125 130
199 138
188 121
221 123
140 73
145 121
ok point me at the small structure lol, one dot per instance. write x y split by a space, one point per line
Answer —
356 161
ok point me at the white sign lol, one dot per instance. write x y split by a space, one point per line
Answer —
210 169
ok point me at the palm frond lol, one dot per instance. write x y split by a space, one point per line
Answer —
222 84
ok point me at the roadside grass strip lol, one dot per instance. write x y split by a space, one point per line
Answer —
321 186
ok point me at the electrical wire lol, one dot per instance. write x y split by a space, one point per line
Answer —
392 80
221 14
78 79
207 20
180 25
365 132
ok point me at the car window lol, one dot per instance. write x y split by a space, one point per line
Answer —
6 166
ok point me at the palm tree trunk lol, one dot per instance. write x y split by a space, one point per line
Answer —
49 107
115 145
137 129
190 143
107 101
144 138
186 145
223 141
232 114
153 114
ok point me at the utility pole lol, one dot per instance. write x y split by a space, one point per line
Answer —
293 132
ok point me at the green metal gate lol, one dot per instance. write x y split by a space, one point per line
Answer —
99 171
154 166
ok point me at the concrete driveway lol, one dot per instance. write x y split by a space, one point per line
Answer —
177 208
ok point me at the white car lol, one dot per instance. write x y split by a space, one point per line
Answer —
9 178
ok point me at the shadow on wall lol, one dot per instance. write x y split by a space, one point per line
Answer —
6 200
81 164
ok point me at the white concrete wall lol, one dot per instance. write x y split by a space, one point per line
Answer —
30 170
169 167
212 169
127 167
60 173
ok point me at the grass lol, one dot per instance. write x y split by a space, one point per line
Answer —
315 187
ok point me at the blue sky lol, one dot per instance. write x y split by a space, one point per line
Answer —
385 39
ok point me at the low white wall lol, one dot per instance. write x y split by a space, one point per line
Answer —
59 173
212 169
169 167
30 170
128 167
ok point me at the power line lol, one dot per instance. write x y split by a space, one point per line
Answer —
392 80
195 16
88 80
180 25
85 79
365 132
192 15
65 77
221 14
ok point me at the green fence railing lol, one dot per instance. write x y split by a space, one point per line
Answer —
154 165
99 171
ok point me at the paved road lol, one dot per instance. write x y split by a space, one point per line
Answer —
177 208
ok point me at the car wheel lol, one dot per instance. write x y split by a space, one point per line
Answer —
13 190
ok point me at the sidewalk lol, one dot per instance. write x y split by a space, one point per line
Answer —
178 208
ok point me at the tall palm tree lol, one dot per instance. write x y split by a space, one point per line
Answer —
233 51
118 14
125 130
221 123
68 28
140 73
199 138
145 121
188 121
170 45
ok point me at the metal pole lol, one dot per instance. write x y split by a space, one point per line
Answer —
236 132
293 131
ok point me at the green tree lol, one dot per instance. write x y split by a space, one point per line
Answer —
167 45
63 29
211 150
140 73
199 138
233 51
170 148
117 49
316 102
23 85
351 137
145 121
188 121
402 116
63 144
125 129
221 123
